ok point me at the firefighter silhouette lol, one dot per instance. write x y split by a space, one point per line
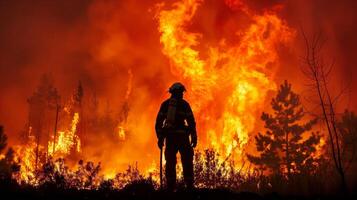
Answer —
175 124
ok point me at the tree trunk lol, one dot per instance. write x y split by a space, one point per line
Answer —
318 74
37 151
287 154
55 131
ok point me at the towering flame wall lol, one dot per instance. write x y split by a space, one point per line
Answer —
228 88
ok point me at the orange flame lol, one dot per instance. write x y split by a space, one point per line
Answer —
66 140
227 88
28 155
237 76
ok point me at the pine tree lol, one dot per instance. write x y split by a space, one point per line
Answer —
282 147
42 108
79 94
7 163
78 97
347 127
3 139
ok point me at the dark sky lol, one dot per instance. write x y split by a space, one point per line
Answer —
59 37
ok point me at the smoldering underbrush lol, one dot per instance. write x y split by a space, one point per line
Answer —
209 174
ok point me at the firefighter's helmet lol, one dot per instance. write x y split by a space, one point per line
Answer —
177 87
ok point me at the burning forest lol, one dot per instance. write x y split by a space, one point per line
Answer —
270 85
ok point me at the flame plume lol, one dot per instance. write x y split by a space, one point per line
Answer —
66 140
239 75
26 154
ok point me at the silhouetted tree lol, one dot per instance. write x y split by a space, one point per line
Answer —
282 147
7 164
78 100
317 72
3 139
347 126
42 108
79 93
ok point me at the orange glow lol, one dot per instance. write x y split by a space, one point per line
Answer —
66 140
29 155
121 133
26 156
228 88
228 83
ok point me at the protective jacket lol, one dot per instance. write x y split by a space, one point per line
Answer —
183 119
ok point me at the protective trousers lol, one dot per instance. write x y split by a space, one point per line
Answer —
178 143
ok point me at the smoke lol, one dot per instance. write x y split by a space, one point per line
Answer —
335 21
35 39
94 42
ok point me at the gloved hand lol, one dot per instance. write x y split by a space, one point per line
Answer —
193 141
160 142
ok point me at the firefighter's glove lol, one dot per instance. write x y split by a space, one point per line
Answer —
160 142
193 141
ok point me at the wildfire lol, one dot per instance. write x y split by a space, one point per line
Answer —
320 148
227 87
121 133
29 155
26 156
237 75
123 123
66 140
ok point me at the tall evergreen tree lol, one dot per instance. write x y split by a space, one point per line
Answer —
7 163
43 100
285 147
347 127
79 94
3 139
42 112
